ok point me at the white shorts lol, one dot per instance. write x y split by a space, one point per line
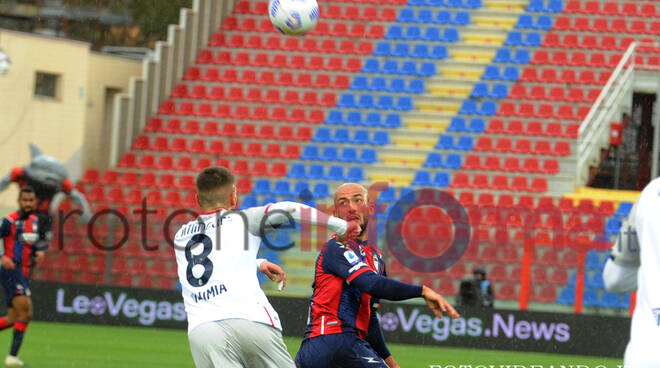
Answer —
238 343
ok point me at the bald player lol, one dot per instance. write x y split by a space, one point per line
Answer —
349 276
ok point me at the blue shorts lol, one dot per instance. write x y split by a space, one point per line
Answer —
15 284
337 351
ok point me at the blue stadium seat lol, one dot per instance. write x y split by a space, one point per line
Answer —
503 55
408 68
514 38
315 172
397 85
282 188
492 72
407 15
401 50
415 86
488 108
341 136
477 125
465 143
322 135
525 21
395 32
555 6
443 17
360 82
536 6
596 280
268 200
480 90
461 18
300 188
543 22
455 3
433 160
310 153
420 51
373 120
413 33
625 301
446 141
473 4
405 197
499 91
511 73
422 178
296 171
609 300
347 100
533 39
329 154
361 136
383 49
521 57
394 213
469 107
439 52
354 118
390 67
441 180
335 172
349 154
424 16
248 201
385 102
572 279
624 209
378 84
567 296
368 156
451 35
436 2
417 2
387 195
321 190
457 124
590 298
453 161
371 66
380 138
427 69
261 187
592 261
432 34
404 103
355 174
366 102
335 117
392 121
613 226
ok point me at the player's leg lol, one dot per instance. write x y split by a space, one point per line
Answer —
261 345
322 351
22 306
357 353
9 284
213 345
8 320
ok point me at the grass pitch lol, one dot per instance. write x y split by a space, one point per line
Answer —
75 345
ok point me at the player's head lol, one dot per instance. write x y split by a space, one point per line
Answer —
26 199
216 188
351 203
479 273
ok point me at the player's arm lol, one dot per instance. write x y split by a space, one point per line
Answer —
5 230
620 272
4 182
263 219
376 340
272 271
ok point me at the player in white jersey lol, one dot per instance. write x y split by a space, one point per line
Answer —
230 321
635 264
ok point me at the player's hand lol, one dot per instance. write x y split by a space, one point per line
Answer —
39 256
7 263
273 272
438 304
391 363
353 230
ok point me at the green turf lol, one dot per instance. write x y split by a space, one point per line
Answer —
74 345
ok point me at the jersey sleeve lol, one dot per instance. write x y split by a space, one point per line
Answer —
5 227
343 262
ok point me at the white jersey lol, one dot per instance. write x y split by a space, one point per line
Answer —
216 259
642 350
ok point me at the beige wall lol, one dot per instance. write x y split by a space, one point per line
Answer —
60 126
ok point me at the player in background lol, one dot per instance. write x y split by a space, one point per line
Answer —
635 264
230 321
341 316
18 235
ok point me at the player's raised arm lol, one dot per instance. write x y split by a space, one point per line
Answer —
264 219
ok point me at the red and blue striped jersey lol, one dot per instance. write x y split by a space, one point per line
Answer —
336 306
15 232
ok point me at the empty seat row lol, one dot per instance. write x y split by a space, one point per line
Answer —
272 96
527 21
451 161
230 129
577 58
464 4
371 119
521 146
567 76
515 38
614 25
500 182
242 112
357 30
541 92
360 136
511 164
481 90
594 42
426 69
424 178
471 107
368 101
493 72
217 147
269 78
283 188
459 124
380 84
630 8
652 62
533 128
321 172
409 15
331 153
327 46
420 50
543 111
504 55
548 6
368 13
414 33
335 63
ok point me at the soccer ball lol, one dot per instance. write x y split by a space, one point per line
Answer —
293 17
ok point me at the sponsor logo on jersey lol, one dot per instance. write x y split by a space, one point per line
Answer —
357 267
351 257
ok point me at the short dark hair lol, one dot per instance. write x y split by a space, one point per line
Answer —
25 189
212 184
